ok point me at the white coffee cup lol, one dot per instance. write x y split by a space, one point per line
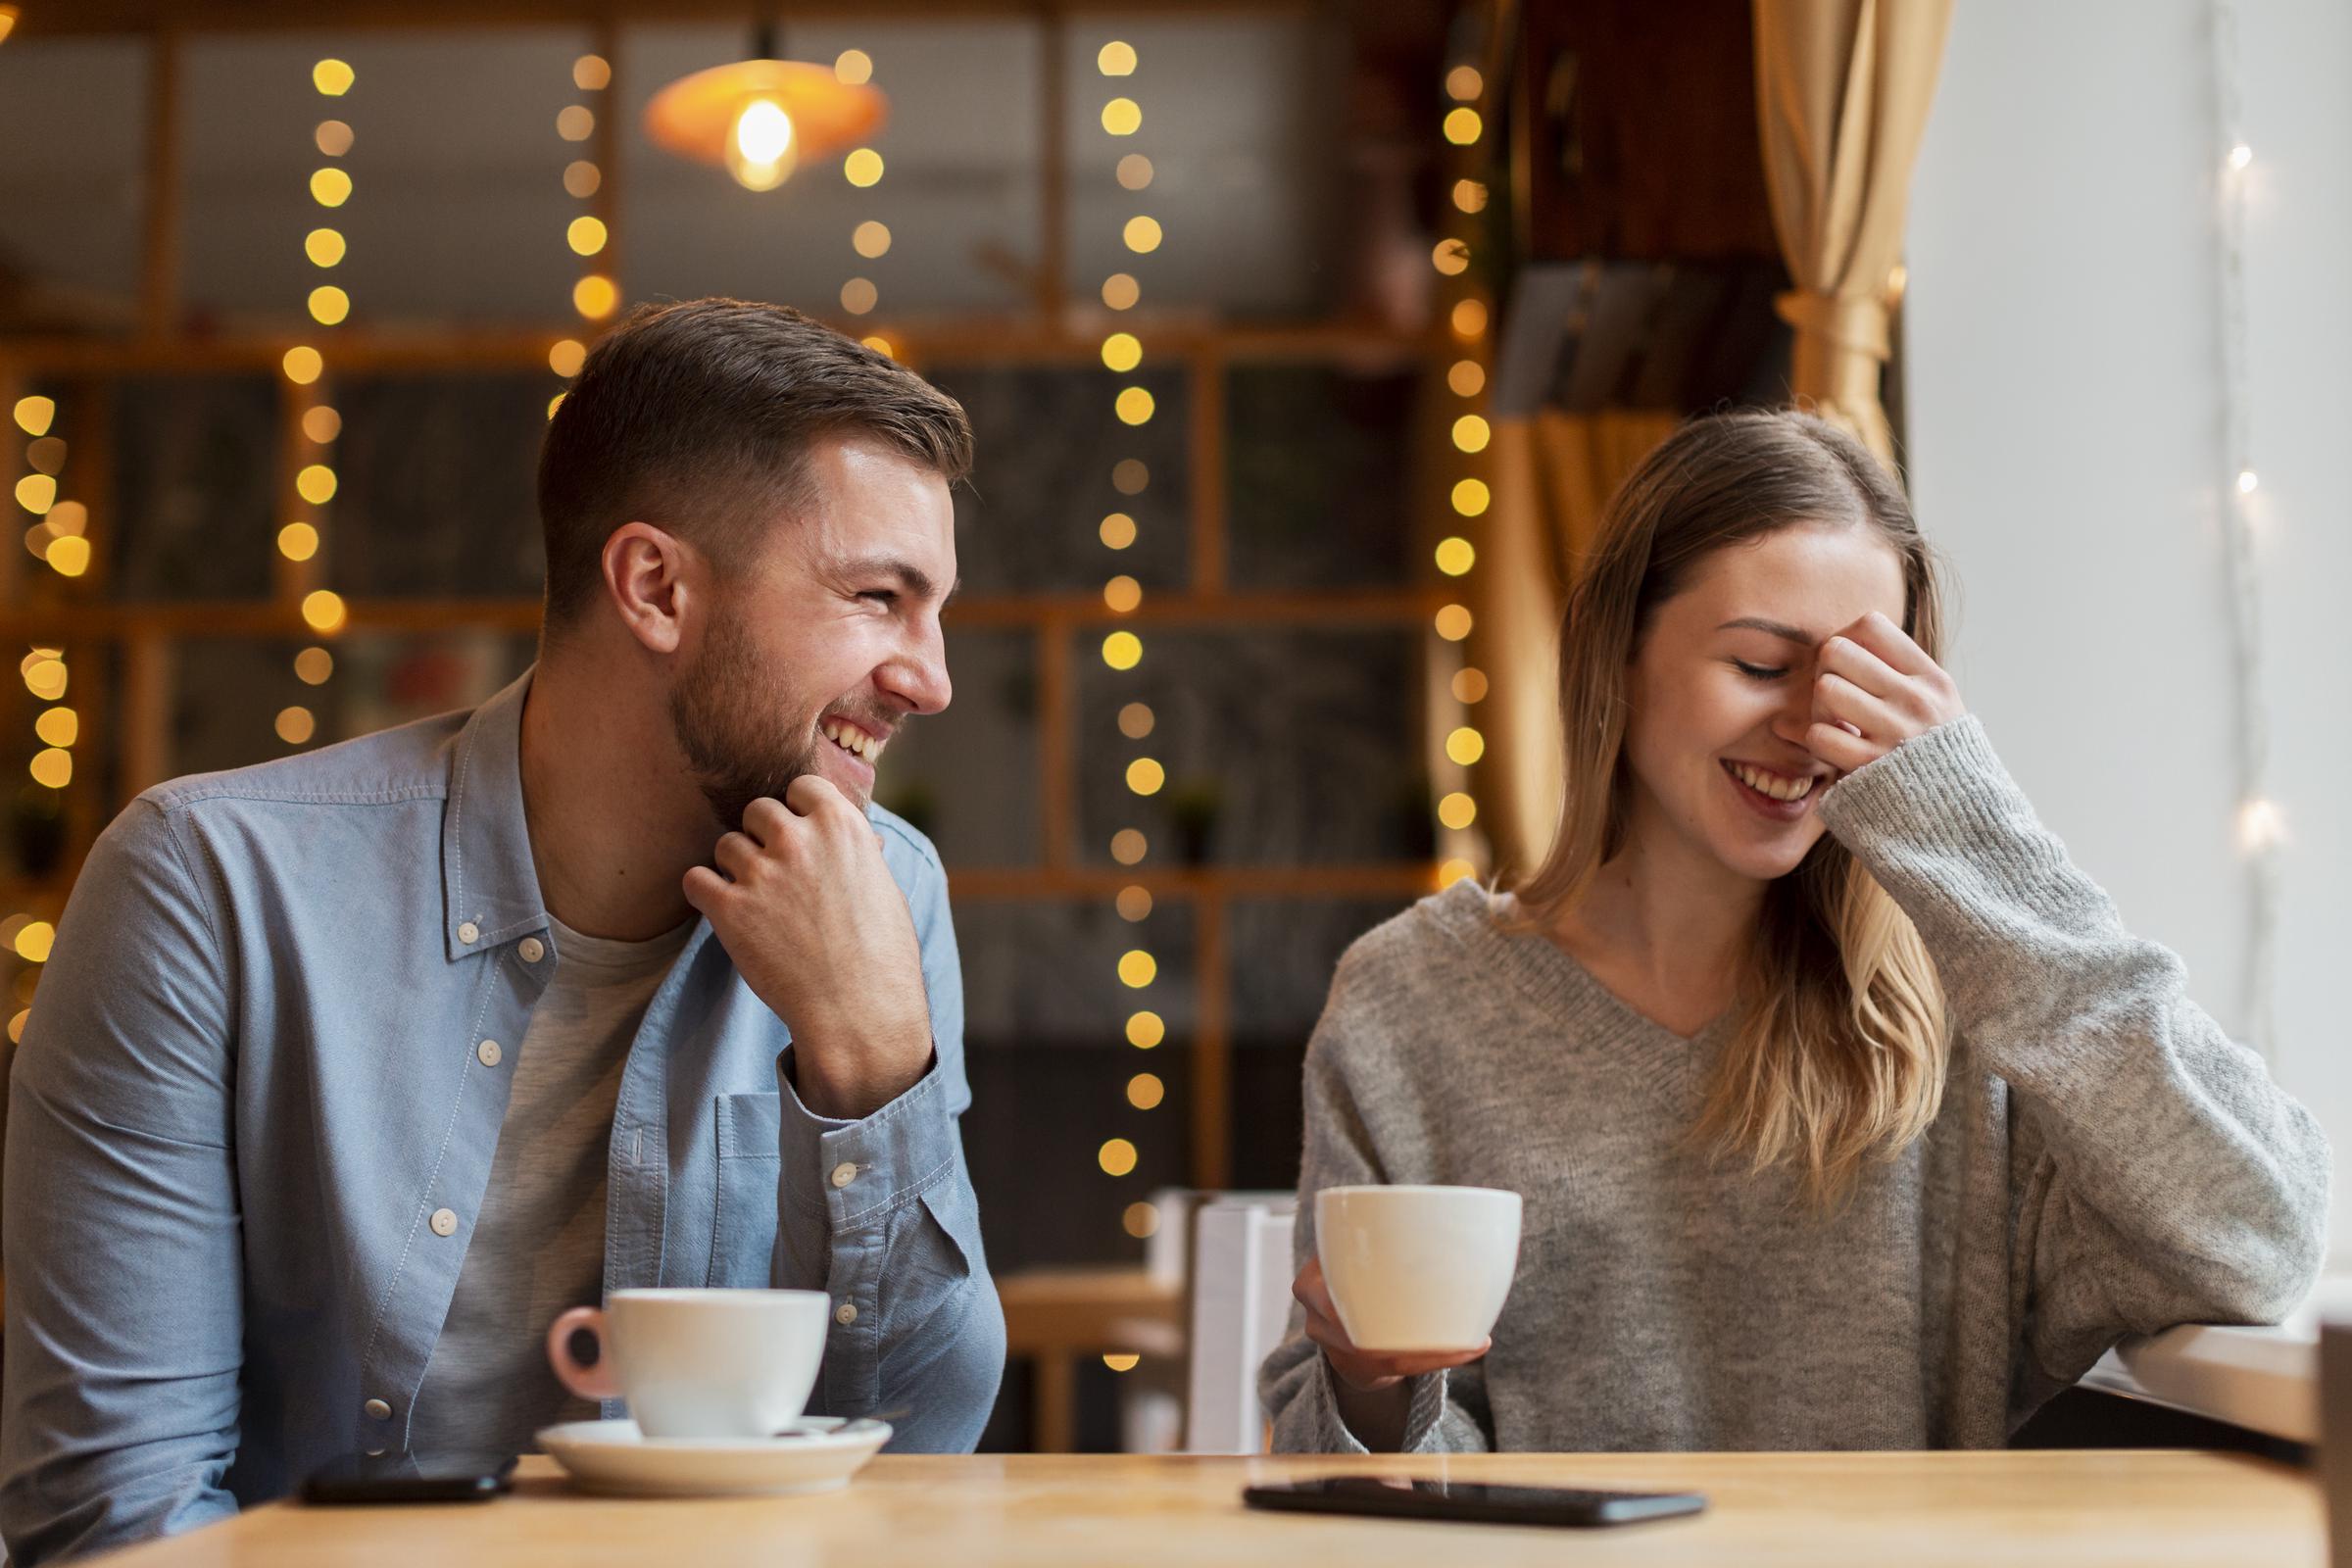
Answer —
1417 1268
698 1363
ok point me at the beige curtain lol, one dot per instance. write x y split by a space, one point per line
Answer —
1842 89
1552 475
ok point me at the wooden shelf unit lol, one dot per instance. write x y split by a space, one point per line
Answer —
38 608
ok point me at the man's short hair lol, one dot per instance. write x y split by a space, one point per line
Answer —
698 418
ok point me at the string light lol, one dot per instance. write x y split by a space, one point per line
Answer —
59 534
1455 555
870 237
1122 353
2261 828
300 541
57 728
33 941
595 296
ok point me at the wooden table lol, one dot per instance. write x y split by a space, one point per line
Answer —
1054 1317
2144 1509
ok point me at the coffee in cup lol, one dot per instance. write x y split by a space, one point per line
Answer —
1417 1268
697 1364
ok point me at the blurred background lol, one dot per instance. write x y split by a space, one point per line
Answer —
1304 342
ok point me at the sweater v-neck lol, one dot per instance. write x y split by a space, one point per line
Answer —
1556 979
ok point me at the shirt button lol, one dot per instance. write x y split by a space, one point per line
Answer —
846 1312
489 1053
844 1174
445 1221
377 1410
468 931
532 949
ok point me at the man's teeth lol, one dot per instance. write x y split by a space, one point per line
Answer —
1780 788
855 741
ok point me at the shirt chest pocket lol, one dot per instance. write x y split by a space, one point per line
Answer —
743 1237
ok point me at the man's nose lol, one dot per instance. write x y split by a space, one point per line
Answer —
918 675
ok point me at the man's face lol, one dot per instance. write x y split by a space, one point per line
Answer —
828 638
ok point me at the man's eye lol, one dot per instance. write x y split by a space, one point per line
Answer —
884 596
1757 671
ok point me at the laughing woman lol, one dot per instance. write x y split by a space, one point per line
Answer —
1846 1113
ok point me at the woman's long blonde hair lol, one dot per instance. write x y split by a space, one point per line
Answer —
1839 1052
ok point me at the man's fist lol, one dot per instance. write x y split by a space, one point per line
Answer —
807 909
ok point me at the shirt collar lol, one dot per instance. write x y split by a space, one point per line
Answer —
489 882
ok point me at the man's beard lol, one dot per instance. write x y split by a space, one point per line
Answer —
738 745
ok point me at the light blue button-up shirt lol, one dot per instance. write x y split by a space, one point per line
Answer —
252 1083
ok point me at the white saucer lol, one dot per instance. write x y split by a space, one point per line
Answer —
613 1456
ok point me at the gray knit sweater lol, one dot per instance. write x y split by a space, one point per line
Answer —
2105 1162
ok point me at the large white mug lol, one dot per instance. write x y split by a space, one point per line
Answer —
698 1363
1417 1268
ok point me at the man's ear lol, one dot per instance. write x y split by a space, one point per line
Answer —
646 576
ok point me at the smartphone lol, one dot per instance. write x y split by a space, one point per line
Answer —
1471 1502
409 1478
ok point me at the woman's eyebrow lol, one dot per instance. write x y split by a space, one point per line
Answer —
1772 628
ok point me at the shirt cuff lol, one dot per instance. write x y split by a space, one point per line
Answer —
855 1172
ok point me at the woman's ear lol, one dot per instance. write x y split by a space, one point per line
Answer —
646 577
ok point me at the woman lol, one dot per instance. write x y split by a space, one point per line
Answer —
1847 1113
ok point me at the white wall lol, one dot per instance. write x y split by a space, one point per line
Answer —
2064 387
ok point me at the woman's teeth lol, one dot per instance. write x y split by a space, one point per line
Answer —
855 741
1780 788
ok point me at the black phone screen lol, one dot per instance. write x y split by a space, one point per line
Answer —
409 1478
1472 1501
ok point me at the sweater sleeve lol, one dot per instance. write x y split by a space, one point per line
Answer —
2158 1176
1341 1150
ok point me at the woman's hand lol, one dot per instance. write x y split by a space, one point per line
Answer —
1365 1371
1874 689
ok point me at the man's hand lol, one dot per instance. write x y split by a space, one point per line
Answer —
1876 689
817 929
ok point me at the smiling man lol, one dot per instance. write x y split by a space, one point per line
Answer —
352 1070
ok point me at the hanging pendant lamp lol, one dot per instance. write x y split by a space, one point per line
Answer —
763 118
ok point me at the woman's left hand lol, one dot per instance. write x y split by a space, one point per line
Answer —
1873 689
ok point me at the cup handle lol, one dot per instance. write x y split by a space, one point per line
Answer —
592 1379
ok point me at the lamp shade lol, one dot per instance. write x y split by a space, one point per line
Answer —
704 116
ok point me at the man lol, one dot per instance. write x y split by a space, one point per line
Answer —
350 1070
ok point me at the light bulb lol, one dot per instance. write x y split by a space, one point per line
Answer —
762 149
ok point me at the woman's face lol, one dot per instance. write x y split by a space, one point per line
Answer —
1720 692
